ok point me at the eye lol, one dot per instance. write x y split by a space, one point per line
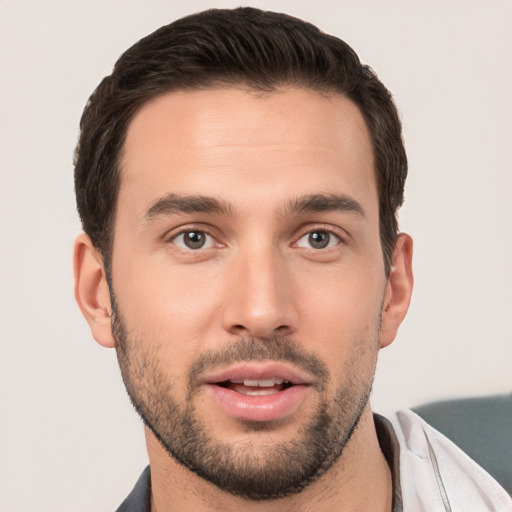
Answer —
194 239
319 239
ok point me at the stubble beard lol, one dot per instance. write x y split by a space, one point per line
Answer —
272 472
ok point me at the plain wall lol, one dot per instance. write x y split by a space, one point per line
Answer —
69 438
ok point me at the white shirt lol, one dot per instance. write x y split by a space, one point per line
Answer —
437 476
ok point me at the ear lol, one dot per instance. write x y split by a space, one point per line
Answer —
91 290
398 290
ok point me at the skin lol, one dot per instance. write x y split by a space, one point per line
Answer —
258 275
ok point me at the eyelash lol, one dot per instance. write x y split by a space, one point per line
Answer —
204 230
322 228
188 229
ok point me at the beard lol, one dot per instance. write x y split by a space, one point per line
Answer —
273 470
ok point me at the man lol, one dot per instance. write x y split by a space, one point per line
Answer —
238 178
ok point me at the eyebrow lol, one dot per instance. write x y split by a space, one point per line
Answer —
174 203
310 203
316 203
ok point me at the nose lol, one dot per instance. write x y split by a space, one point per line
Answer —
260 295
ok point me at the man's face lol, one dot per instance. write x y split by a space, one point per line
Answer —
248 281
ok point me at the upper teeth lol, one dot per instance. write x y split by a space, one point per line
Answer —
262 383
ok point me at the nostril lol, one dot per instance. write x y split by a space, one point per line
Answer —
284 330
281 329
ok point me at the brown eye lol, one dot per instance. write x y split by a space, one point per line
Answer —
320 239
194 240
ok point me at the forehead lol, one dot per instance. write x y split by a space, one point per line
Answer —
233 142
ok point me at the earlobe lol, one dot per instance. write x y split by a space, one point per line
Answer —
91 290
398 290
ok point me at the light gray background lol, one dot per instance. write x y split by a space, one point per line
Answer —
69 438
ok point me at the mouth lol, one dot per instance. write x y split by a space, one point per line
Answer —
259 392
258 387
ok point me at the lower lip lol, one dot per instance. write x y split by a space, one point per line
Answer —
275 406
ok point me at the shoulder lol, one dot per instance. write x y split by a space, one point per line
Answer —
437 475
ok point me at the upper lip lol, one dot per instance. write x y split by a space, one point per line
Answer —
258 371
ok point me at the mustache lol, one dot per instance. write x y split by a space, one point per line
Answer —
275 348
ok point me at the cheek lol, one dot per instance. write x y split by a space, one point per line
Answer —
346 300
171 304
341 325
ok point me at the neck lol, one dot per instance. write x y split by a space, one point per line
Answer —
360 480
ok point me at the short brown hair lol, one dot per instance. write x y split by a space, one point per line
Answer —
240 47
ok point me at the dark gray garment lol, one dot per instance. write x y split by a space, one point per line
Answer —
139 500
